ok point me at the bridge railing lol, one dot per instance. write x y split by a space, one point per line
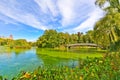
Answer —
83 44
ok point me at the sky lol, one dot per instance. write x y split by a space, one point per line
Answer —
27 19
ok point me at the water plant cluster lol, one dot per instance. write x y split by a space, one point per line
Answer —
104 68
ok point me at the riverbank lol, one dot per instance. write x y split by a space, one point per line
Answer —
16 60
105 68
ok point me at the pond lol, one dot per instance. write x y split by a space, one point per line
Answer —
14 61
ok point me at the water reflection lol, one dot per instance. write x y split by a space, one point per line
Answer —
19 51
13 61
52 61
55 61
23 60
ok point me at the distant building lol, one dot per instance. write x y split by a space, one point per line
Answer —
11 37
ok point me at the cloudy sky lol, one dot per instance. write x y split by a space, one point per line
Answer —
29 18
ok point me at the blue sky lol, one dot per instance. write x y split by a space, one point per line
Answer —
29 18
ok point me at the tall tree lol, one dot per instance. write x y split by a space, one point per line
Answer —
109 27
113 5
49 39
89 36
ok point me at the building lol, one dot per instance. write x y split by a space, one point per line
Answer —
11 37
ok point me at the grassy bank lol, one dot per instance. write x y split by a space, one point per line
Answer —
73 54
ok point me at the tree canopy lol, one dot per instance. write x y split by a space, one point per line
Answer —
19 43
107 29
52 38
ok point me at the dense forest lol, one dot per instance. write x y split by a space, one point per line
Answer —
52 38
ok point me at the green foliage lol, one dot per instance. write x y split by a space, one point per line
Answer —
20 43
105 68
115 46
52 39
89 37
114 5
1 78
107 30
4 42
49 39
33 44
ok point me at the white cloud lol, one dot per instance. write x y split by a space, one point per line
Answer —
7 20
66 15
82 13
90 22
72 12
48 6
75 11
67 11
18 16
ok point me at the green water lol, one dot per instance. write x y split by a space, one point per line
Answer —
14 61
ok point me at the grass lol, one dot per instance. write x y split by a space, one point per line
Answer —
82 53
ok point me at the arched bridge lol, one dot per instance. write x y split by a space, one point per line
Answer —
83 44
